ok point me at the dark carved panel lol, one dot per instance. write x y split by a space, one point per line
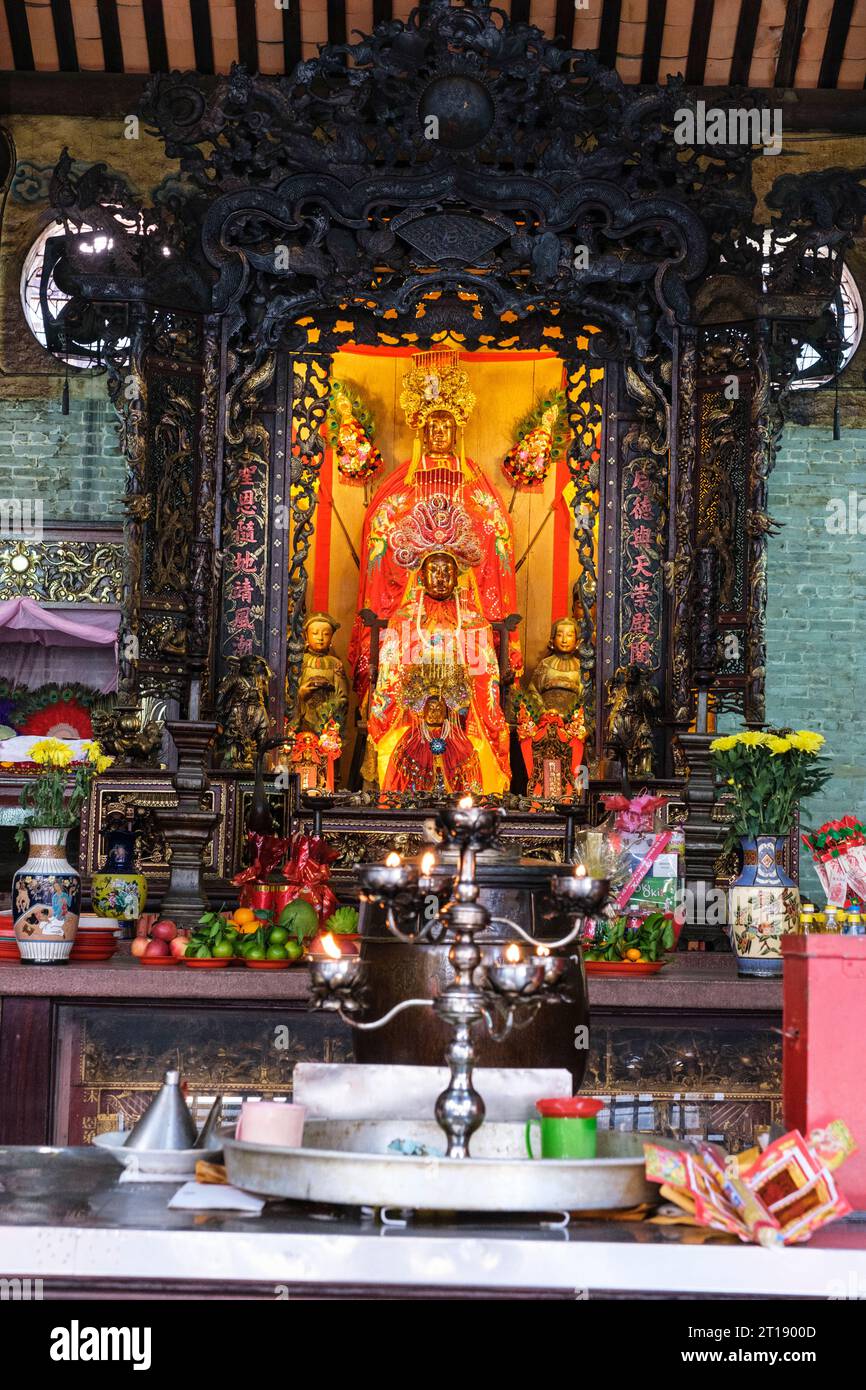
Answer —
236 1052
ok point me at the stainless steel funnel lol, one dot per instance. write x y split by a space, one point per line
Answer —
167 1122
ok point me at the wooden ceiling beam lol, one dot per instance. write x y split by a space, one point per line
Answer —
792 37
19 35
291 37
744 43
608 33
834 48
64 35
336 21
154 33
109 28
202 38
652 42
699 41
564 22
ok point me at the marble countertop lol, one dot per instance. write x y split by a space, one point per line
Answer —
65 1218
692 980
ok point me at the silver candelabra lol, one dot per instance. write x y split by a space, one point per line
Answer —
502 994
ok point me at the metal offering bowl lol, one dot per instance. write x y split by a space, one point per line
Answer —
554 968
337 976
580 893
383 882
517 979
474 826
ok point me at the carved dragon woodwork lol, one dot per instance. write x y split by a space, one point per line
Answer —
454 172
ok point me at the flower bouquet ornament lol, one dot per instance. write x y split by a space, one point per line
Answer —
768 775
46 890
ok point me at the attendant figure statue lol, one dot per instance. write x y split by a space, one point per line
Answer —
550 721
242 710
557 682
438 648
323 689
634 705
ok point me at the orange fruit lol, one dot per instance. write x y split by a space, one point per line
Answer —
242 915
247 928
632 955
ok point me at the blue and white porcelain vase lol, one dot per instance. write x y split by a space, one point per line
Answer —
46 900
764 906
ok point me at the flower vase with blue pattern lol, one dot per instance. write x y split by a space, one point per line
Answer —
764 906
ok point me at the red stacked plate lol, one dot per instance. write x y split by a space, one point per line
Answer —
95 940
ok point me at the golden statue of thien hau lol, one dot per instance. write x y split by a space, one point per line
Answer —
435 719
438 401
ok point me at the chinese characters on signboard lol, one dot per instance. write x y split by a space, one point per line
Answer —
641 587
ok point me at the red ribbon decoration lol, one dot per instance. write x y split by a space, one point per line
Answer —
268 852
308 869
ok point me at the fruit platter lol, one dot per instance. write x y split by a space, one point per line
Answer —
629 946
253 937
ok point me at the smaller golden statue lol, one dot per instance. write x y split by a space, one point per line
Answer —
242 710
323 689
634 705
557 681
550 720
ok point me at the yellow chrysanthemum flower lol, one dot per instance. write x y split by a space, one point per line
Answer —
51 752
721 745
777 744
753 738
805 741
95 756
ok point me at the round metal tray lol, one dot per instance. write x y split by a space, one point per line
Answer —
346 1162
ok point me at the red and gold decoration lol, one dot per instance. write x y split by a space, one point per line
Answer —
314 756
542 437
351 434
552 745
285 869
778 1196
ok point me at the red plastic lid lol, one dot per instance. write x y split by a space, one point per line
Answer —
571 1107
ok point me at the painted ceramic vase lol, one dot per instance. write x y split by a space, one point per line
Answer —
119 895
117 890
764 906
46 899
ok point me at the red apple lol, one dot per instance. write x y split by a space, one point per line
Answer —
164 930
157 948
178 945
139 946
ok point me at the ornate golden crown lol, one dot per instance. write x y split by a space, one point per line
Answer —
436 382
448 682
436 526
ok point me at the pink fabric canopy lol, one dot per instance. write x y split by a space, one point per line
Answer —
23 620
40 645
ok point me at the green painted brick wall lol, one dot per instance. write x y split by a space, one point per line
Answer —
816 613
72 462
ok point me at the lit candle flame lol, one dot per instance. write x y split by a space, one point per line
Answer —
393 860
512 953
542 950
465 803
428 863
330 947
579 871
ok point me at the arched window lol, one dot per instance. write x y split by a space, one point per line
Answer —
43 304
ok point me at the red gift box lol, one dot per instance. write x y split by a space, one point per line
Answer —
822 1061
